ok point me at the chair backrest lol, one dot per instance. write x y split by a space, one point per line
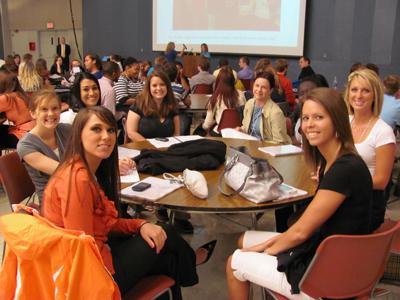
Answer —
203 89
230 119
248 84
15 179
346 266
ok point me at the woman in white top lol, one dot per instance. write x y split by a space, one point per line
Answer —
225 96
373 138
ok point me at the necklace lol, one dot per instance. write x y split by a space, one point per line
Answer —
354 128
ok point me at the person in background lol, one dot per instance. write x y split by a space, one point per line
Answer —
17 59
93 65
29 79
282 67
128 85
204 51
245 71
159 60
225 96
373 67
144 68
203 76
181 96
27 57
391 107
306 69
14 105
111 74
64 51
118 60
75 68
58 66
223 62
262 117
41 69
130 248
343 179
373 138
171 53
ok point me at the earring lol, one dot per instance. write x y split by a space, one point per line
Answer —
337 135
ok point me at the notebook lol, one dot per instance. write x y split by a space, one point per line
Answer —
281 150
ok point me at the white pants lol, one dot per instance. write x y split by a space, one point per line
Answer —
260 268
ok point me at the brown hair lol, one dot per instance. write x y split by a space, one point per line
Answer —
392 84
41 96
204 63
281 65
333 103
374 82
147 104
107 174
225 89
9 84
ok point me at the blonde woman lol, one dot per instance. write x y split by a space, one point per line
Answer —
28 77
171 53
373 138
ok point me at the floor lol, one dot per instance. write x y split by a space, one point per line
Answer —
226 229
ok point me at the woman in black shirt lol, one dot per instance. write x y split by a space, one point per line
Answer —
155 112
341 205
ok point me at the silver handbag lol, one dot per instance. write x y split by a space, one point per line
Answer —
253 178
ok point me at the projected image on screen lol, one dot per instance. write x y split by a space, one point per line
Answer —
274 27
258 15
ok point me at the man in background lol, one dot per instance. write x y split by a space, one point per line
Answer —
64 50
245 71
281 66
204 76
306 70
391 106
111 73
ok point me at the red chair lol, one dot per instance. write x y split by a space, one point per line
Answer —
230 119
150 288
346 266
203 89
15 179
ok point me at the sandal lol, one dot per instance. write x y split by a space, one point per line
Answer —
205 250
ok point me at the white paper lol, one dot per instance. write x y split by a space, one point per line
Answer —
185 138
281 150
289 191
131 177
159 188
126 152
160 144
235 134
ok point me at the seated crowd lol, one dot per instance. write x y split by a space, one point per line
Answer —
70 152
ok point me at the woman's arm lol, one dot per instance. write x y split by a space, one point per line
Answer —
41 162
321 208
384 165
209 121
132 127
177 126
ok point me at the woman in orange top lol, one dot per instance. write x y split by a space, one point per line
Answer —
83 195
14 108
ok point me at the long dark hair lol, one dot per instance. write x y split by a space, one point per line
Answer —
9 83
333 103
225 89
146 103
107 174
76 90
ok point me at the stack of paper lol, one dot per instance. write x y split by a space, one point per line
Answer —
281 150
159 188
126 152
235 134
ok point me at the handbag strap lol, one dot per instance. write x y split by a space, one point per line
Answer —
221 177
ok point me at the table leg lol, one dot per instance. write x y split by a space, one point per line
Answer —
171 216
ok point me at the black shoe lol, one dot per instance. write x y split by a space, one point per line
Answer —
162 215
183 226
209 248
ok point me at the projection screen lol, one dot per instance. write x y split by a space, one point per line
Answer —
269 27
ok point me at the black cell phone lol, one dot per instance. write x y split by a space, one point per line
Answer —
141 186
162 139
